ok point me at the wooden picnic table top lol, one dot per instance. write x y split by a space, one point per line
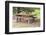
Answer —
26 15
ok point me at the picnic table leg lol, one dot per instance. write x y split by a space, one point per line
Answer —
16 19
28 21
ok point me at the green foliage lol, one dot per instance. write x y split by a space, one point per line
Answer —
20 9
14 10
34 11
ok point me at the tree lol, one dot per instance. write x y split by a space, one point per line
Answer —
28 10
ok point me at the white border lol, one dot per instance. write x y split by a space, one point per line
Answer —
11 5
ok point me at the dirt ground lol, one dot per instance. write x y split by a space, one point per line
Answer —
20 24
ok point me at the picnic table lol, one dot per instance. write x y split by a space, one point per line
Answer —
25 18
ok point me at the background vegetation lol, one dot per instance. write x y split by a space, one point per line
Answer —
34 11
